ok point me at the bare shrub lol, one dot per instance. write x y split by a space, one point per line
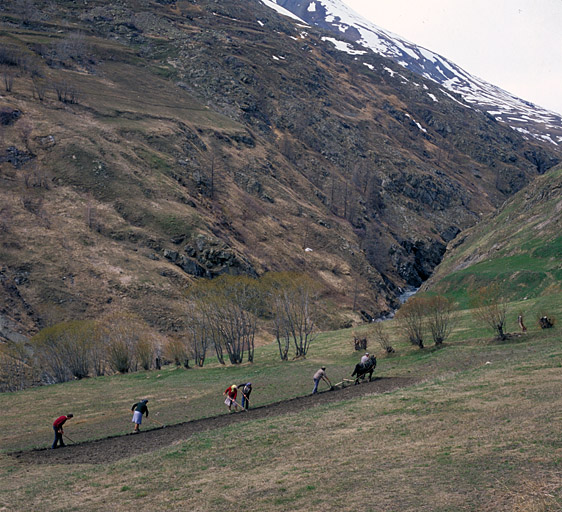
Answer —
439 318
65 91
63 351
381 336
489 305
36 177
40 87
144 353
176 350
8 77
123 333
411 320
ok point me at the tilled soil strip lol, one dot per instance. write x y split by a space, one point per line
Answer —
112 449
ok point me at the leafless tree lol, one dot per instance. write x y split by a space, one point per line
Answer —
122 334
293 301
64 350
439 318
411 319
65 91
8 75
381 336
203 316
176 350
490 307
225 312
40 87
197 334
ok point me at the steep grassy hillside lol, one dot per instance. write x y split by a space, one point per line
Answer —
146 144
520 248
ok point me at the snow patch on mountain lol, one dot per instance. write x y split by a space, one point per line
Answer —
526 117
275 5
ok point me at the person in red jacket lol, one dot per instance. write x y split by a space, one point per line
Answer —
57 427
230 394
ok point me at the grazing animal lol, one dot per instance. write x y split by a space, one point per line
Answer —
362 369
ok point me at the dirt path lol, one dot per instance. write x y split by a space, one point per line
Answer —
111 449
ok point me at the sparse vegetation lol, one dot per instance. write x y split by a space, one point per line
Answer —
439 318
490 307
382 337
411 318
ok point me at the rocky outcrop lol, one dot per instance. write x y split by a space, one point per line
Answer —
17 157
209 257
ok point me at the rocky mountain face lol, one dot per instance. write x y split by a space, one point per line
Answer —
523 116
145 144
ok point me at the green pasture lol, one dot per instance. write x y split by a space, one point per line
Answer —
479 431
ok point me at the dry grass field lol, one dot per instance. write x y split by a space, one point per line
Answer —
476 429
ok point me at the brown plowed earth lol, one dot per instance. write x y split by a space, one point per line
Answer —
112 449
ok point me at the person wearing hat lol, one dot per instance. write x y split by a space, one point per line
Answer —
245 389
230 394
365 358
57 427
320 375
139 409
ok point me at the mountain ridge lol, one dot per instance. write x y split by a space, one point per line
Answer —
523 116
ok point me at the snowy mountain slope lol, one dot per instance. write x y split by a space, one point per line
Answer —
523 116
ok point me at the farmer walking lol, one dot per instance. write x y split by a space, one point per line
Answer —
57 427
139 409
320 375
365 358
245 389
230 394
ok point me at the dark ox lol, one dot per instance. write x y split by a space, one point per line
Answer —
362 369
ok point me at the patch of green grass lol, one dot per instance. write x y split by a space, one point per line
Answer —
174 226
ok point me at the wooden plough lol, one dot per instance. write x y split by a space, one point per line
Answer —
343 383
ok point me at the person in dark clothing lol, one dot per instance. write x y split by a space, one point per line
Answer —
57 427
245 389
139 409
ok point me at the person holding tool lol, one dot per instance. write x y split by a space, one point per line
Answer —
57 427
320 375
230 394
245 389
139 409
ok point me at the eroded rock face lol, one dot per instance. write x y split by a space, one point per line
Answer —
415 261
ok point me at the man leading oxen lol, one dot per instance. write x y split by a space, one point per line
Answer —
362 369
